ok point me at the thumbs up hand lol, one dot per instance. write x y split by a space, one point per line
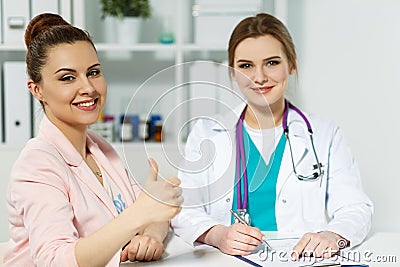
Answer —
160 199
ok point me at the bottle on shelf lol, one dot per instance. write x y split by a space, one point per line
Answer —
144 129
104 126
166 34
158 132
156 128
126 129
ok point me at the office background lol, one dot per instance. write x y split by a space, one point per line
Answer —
348 66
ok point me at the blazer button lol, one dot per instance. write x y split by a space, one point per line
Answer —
228 200
284 201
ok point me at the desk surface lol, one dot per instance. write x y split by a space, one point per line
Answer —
379 249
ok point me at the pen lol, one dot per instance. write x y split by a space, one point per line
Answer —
322 265
240 219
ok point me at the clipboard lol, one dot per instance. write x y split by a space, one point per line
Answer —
248 261
338 264
286 244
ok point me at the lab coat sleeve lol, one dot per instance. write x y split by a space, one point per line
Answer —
348 207
38 193
194 218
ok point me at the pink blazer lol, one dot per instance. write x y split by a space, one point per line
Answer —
54 198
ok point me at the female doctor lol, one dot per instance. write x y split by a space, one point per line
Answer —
266 164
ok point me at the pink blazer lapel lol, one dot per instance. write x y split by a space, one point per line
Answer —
83 173
114 168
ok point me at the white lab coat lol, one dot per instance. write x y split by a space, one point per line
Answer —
336 203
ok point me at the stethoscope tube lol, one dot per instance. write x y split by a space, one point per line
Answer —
240 158
286 114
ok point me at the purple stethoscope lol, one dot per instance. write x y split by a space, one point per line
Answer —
241 161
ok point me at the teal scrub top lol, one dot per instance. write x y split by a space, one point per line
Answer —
262 180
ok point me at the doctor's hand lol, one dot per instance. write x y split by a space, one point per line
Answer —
324 244
236 239
160 200
142 248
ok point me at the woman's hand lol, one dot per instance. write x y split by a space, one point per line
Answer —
160 200
142 248
236 239
324 244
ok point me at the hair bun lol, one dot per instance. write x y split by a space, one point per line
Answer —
42 23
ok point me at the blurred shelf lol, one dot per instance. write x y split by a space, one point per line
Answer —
12 47
132 47
196 48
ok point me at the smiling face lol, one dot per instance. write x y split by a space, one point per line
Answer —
265 70
73 89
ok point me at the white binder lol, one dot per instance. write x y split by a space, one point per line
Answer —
15 18
65 9
221 16
43 6
1 111
211 90
37 115
17 104
203 89
1 41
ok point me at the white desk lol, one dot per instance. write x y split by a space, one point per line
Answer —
178 253
377 247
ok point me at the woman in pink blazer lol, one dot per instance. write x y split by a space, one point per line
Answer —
70 200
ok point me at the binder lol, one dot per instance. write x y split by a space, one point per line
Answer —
37 115
211 90
43 6
16 104
38 7
1 108
221 16
203 92
15 18
1 38
65 9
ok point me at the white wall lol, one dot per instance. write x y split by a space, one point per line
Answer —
349 70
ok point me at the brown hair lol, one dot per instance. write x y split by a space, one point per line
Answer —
46 31
260 25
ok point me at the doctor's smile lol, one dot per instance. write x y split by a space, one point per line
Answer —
263 90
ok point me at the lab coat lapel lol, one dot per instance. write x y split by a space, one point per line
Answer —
298 138
224 167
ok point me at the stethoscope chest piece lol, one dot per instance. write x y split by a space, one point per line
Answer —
244 215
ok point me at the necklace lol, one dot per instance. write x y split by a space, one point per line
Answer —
98 173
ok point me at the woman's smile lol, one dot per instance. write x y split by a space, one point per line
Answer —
263 89
87 105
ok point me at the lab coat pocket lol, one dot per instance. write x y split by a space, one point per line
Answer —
219 210
313 202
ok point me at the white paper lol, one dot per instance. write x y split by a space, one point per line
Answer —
280 255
